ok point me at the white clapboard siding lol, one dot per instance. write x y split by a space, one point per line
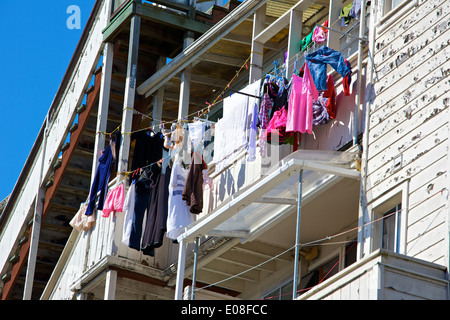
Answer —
410 116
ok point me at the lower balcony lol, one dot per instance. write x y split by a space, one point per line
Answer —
384 275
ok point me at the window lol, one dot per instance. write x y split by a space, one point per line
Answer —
389 215
283 292
390 239
391 4
318 275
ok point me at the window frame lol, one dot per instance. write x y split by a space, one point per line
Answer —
380 206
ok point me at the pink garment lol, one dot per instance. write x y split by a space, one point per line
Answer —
300 112
320 34
114 201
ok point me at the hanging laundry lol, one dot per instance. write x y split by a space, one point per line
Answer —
193 188
347 81
128 209
253 131
306 41
345 15
355 11
230 133
281 100
156 218
81 221
317 62
143 186
196 133
330 95
320 113
101 179
148 148
303 93
178 213
208 143
173 141
320 34
266 107
276 130
114 201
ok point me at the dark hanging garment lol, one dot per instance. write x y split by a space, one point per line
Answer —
281 100
148 149
157 212
193 189
143 187
101 180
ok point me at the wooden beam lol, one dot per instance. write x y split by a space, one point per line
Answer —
119 22
110 285
185 87
130 93
103 105
257 53
150 12
295 35
158 101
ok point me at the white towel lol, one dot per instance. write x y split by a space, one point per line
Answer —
231 131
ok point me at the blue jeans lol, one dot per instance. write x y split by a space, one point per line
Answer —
317 63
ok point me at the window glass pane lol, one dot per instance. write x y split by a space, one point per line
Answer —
396 3
286 292
391 229
274 295
388 232
350 257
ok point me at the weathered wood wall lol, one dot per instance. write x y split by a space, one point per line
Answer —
410 117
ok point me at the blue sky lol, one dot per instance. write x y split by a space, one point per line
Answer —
35 51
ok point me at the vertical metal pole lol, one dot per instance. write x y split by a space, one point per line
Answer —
180 270
362 28
194 276
297 236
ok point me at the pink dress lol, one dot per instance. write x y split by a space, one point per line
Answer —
300 112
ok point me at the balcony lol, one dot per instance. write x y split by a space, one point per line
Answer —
384 275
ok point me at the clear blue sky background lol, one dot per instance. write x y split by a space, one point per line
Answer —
35 50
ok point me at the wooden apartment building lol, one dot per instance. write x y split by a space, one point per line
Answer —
358 209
